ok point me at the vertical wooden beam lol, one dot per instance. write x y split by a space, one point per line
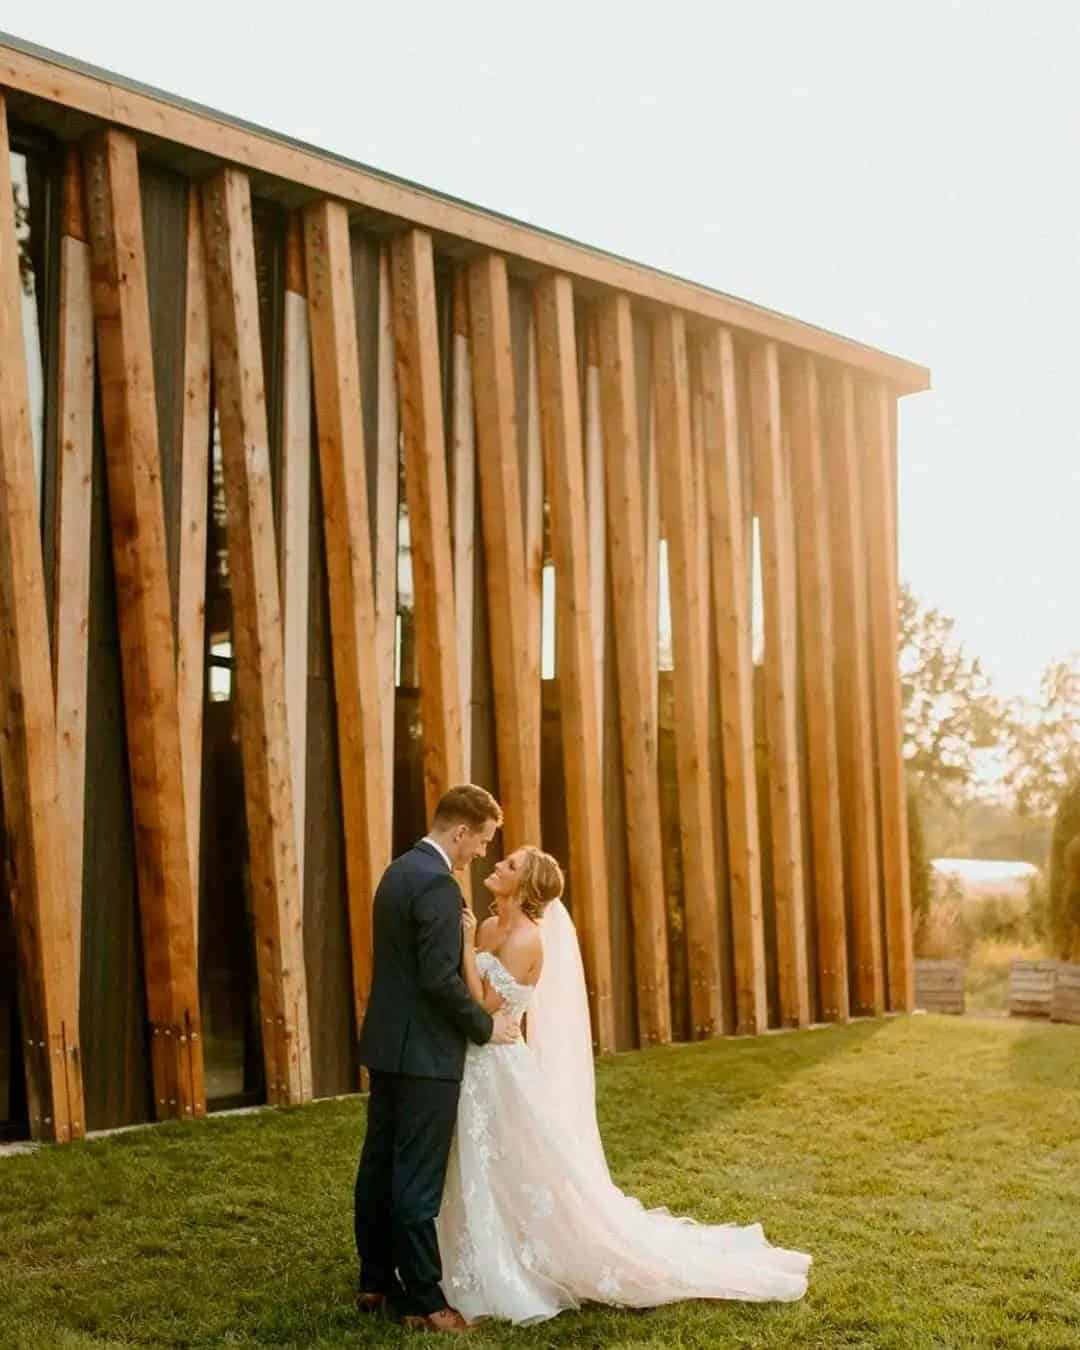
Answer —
817 648
463 505
690 634
875 422
385 557
191 589
596 514
71 573
781 694
147 647
257 635
854 726
416 341
361 756
559 403
38 880
636 665
295 518
517 701
532 503
653 532
731 565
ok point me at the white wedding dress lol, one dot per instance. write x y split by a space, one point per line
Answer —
531 1222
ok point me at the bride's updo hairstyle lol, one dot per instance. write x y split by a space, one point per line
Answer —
540 882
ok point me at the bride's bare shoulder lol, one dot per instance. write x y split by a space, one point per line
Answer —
522 953
486 934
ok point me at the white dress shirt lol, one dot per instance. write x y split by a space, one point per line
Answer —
427 839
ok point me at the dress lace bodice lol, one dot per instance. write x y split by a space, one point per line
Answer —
517 996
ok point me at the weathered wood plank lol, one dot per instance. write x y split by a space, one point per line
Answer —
560 407
532 505
854 725
730 557
516 682
385 555
71 541
257 636
636 665
39 883
148 650
595 511
295 520
690 634
816 668
463 504
875 423
781 693
416 341
191 585
361 756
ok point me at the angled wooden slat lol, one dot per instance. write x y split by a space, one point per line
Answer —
191 588
560 406
809 495
257 635
147 647
361 758
636 665
416 341
730 557
595 511
876 409
38 879
690 634
384 559
463 504
295 517
854 725
71 569
781 692
517 700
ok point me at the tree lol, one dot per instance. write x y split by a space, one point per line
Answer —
950 710
1064 906
1044 741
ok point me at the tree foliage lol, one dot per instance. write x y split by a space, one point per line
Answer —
1065 876
1044 741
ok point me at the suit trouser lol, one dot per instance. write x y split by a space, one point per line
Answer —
399 1186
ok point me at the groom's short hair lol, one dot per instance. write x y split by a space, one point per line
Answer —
469 805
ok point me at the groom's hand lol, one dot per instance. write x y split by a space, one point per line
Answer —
506 1030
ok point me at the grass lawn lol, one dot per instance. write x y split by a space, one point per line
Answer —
931 1165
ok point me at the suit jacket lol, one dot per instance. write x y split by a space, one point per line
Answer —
419 1015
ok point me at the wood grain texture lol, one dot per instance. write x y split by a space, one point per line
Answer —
342 459
516 676
257 636
387 485
636 665
560 407
191 585
595 512
876 411
781 690
38 880
854 724
71 534
463 503
811 510
148 650
690 633
420 400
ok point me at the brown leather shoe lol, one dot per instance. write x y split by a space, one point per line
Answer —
370 1301
445 1319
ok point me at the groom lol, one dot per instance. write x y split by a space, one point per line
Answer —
418 1019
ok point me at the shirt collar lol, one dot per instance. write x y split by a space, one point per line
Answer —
427 839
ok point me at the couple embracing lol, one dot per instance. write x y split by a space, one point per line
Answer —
483 1190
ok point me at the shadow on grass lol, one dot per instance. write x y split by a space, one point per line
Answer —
1035 1053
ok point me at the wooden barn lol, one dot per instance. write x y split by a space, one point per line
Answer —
320 492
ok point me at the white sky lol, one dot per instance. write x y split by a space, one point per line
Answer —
902 171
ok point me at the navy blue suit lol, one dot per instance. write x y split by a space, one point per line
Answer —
419 1017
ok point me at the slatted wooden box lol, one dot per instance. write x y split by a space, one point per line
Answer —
1031 988
1065 1004
939 986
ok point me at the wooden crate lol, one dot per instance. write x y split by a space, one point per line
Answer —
1031 988
1065 1004
939 986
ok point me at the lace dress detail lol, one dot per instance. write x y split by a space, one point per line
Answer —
531 1224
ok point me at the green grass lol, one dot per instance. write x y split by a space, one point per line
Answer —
931 1165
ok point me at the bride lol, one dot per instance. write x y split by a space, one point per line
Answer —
531 1221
